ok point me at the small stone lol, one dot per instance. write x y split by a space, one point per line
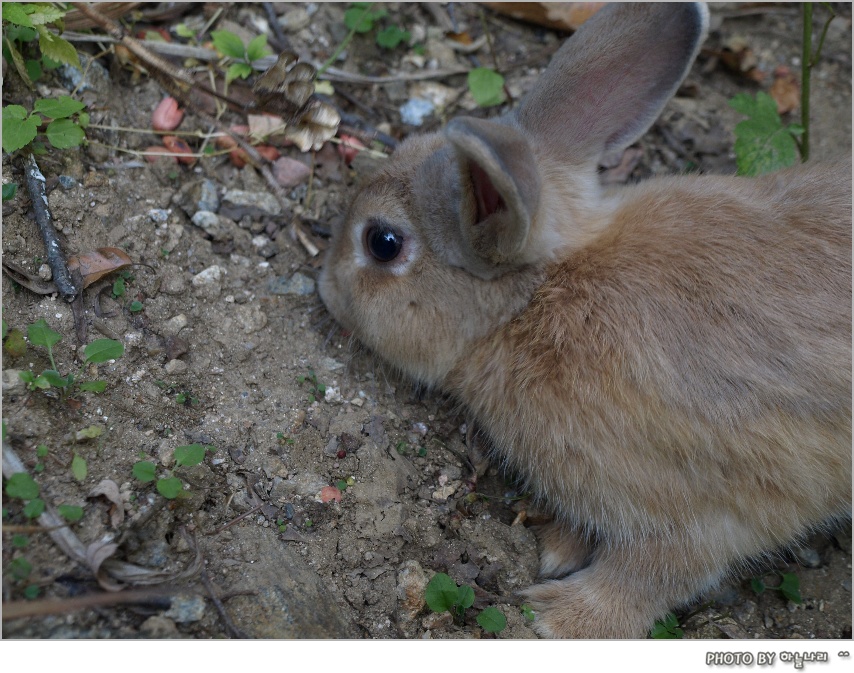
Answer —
174 325
290 172
331 448
238 203
210 275
67 182
175 367
808 557
158 627
298 284
159 215
217 227
186 608
411 590
45 273
11 381
294 20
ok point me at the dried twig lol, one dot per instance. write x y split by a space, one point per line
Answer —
65 284
19 609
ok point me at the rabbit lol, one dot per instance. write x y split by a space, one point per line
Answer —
667 365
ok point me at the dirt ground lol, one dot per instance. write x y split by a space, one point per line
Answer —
232 348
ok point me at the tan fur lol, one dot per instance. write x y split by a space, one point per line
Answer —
668 365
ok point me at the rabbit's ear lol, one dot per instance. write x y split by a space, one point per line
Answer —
609 81
500 188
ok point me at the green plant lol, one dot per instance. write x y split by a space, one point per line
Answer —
171 487
527 612
9 191
65 130
790 587
444 595
486 87
667 628
23 25
100 350
186 399
230 45
762 143
316 389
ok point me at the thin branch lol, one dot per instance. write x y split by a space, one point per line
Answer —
65 284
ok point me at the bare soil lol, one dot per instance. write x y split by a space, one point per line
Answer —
229 351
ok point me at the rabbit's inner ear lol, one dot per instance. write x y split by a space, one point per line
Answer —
500 190
487 198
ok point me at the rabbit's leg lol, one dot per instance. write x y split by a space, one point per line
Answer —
564 549
626 587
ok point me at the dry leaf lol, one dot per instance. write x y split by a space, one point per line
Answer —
110 490
96 264
785 90
557 15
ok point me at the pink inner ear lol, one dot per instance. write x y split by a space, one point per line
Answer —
487 197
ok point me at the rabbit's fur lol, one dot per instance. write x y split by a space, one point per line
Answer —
668 365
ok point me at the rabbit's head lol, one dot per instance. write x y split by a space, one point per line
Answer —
450 239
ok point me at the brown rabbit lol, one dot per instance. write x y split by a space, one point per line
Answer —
668 365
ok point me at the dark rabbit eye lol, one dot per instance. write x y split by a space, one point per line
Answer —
383 242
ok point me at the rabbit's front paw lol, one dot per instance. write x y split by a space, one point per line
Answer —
574 608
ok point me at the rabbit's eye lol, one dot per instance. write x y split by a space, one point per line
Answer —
383 243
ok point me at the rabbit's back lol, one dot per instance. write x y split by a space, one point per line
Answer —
697 357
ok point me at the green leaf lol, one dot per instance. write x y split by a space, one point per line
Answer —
757 585
135 307
791 588
20 568
360 19
44 14
93 386
57 48
58 108
486 86
667 628
34 69
19 130
78 468
42 451
465 597
13 12
65 133
89 432
21 485
228 44
189 455
10 189
119 287
181 30
40 334
390 37
40 383
257 48
237 70
762 144
34 508
55 379
20 541
527 612
169 488
492 620
15 344
144 471
442 593
70 512
102 350
32 592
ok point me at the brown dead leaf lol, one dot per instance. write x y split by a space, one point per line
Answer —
785 90
557 15
96 264
110 490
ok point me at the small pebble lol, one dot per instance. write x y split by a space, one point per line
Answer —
45 273
298 284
